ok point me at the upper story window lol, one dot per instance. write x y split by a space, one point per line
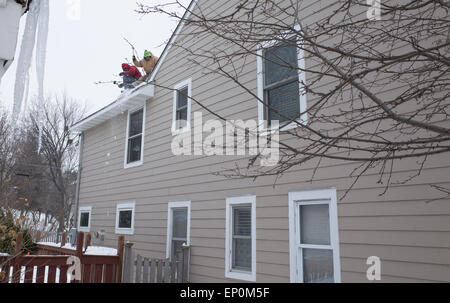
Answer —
280 82
182 107
135 138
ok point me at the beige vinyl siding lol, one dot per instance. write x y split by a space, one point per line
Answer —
411 236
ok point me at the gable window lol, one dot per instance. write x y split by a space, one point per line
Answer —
135 138
280 83
314 243
240 243
125 218
182 107
84 219
178 229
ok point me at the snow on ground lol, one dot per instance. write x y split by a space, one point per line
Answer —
3 255
101 251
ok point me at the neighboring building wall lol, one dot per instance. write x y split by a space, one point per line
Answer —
411 236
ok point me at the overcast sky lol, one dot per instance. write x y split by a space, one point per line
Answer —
92 49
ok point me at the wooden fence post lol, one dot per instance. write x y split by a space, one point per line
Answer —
120 251
63 240
80 241
19 242
17 255
38 236
79 253
128 263
88 240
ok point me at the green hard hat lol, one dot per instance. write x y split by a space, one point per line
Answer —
147 54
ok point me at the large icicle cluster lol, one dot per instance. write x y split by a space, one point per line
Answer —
36 28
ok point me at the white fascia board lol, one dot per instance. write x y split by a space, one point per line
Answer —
128 100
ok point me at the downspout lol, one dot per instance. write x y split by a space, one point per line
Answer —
80 168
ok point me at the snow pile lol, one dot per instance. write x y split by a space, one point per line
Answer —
50 244
101 251
69 246
58 245
91 250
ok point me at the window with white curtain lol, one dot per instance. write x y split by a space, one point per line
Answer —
314 242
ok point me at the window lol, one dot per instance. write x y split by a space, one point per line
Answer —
178 228
125 218
280 82
182 107
84 217
240 245
314 239
135 138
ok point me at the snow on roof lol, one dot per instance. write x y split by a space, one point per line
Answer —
127 100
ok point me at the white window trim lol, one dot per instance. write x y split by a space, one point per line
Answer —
84 209
140 162
122 207
172 205
234 274
309 196
187 128
301 77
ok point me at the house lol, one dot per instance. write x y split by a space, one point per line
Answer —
297 230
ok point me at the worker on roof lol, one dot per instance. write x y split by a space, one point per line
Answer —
130 74
148 63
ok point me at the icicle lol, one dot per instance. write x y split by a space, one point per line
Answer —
41 51
25 57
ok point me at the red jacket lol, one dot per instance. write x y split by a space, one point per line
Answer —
131 71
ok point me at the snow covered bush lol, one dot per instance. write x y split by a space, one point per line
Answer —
10 227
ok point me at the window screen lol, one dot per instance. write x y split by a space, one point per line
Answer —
242 238
135 136
318 266
84 219
315 230
125 218
281 81
315 224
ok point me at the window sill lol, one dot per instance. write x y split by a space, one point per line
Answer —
124 231
241 275
180 131
84 229
286 127
133 164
